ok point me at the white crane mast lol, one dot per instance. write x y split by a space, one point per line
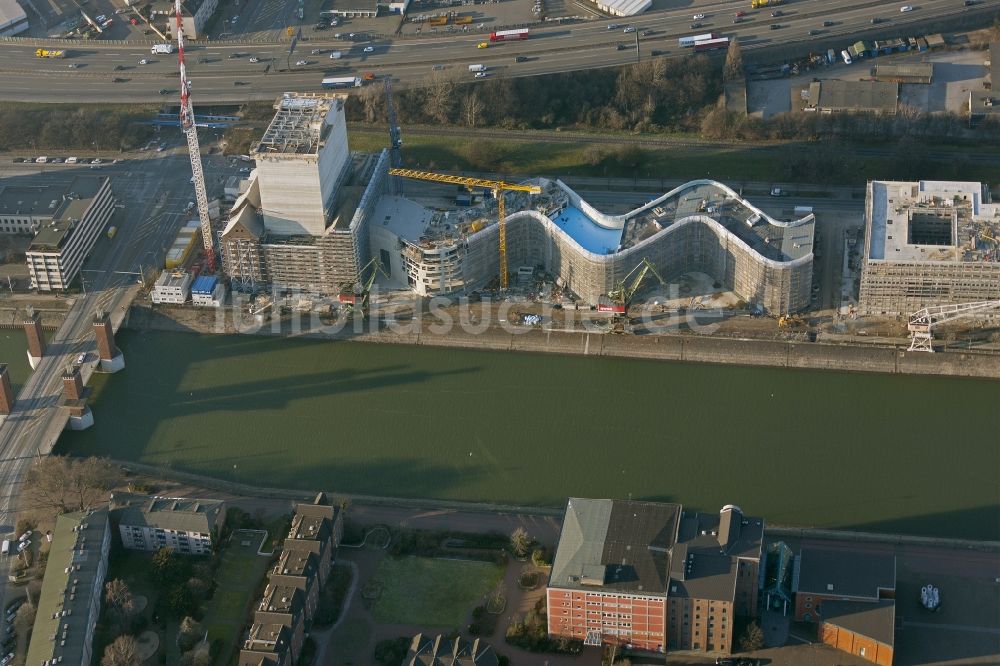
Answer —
923 321
194 149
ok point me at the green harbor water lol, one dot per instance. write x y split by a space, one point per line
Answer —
910 454
14 352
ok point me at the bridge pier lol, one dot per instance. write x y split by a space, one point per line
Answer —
75 396
112 359
36 341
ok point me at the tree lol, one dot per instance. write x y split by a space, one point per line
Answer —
69 484
165 568
733 69
124 651
189 634
119 599
520 542
752 638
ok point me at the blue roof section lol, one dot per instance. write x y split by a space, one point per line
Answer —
204 284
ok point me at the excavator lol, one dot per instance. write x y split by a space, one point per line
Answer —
356 294
622 294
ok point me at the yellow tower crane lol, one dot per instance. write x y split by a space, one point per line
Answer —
497 187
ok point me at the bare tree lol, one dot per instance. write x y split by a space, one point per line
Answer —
69 484
190 633
520 542
124 651
119 599
24 621
472 108
441 95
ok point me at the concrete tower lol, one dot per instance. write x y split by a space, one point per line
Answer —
112 359
36 341
75 399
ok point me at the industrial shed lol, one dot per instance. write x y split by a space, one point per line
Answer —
623 7
833 95
913 73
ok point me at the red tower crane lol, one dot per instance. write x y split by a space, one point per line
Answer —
194 149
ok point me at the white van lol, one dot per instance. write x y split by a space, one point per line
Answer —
846 56
5 548
477 68
70 160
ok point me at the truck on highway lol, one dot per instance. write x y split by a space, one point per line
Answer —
49 53
509 35
161 48
688 42
757 4
712 44
477 68
342 82
336 55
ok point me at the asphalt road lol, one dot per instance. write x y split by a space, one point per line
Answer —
154 188
214 72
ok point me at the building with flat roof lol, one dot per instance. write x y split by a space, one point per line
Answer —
439 651
208 291
834 95
172 287
651 576
266 645
70 600
623 7
195 15
918 72
25 208
186 526
863 629
60 247
13 20
928 243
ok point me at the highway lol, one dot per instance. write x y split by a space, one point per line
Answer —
218 76
154 188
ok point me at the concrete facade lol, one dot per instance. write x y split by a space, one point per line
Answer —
172 287
185 526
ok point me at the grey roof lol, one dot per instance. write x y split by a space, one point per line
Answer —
837 95
873 620
845 573
704 563
74 565
267 643
32 200
10 13
439 651
78 198
615 546
182 515
915 70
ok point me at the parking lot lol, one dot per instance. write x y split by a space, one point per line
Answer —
956 74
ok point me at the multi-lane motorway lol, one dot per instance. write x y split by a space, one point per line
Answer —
218 76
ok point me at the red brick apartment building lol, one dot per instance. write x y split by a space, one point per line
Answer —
851 596
652 577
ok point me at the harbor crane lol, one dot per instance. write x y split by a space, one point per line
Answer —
357 293
622 294
194 149
923 321
497 187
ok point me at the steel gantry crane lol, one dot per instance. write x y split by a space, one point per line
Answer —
497 187
923 321
194 149
357 292
622 294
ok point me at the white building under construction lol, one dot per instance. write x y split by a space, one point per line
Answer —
313 213
929 243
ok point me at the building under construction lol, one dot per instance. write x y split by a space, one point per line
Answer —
929 243
301 220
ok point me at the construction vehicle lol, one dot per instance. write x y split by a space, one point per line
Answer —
923 321
194 148
757 4
49 53
356 294
620 297
789 321
497 187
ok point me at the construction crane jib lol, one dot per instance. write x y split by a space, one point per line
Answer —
497 187
194 149
922 322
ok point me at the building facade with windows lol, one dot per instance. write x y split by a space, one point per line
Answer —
185 526
61 245
652 577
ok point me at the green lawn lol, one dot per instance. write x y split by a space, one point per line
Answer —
239 575
432 593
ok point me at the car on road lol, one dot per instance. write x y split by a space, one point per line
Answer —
56 160
613 26
255 59
776 13
741 13
160 148
814 32
17 160
875 20
235 55
480 75
74 65
646 33
301 63
321 26
235 19
775 26
241 83
203 60
84 160
143 62
483 45
119 68
164 91
827 24
118 79
317 51
245 170
906 8
81 358
521 59
369 49
695 26
698 17
970 3
622 47
437 68
737 19
629 29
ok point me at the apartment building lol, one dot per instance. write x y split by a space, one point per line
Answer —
266 645
316 528
440 651
186 526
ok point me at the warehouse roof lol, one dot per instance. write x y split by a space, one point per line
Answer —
204 284
837 95
919 70
873 620
41 200
624 7
169 513
11 13
845 573
615 546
